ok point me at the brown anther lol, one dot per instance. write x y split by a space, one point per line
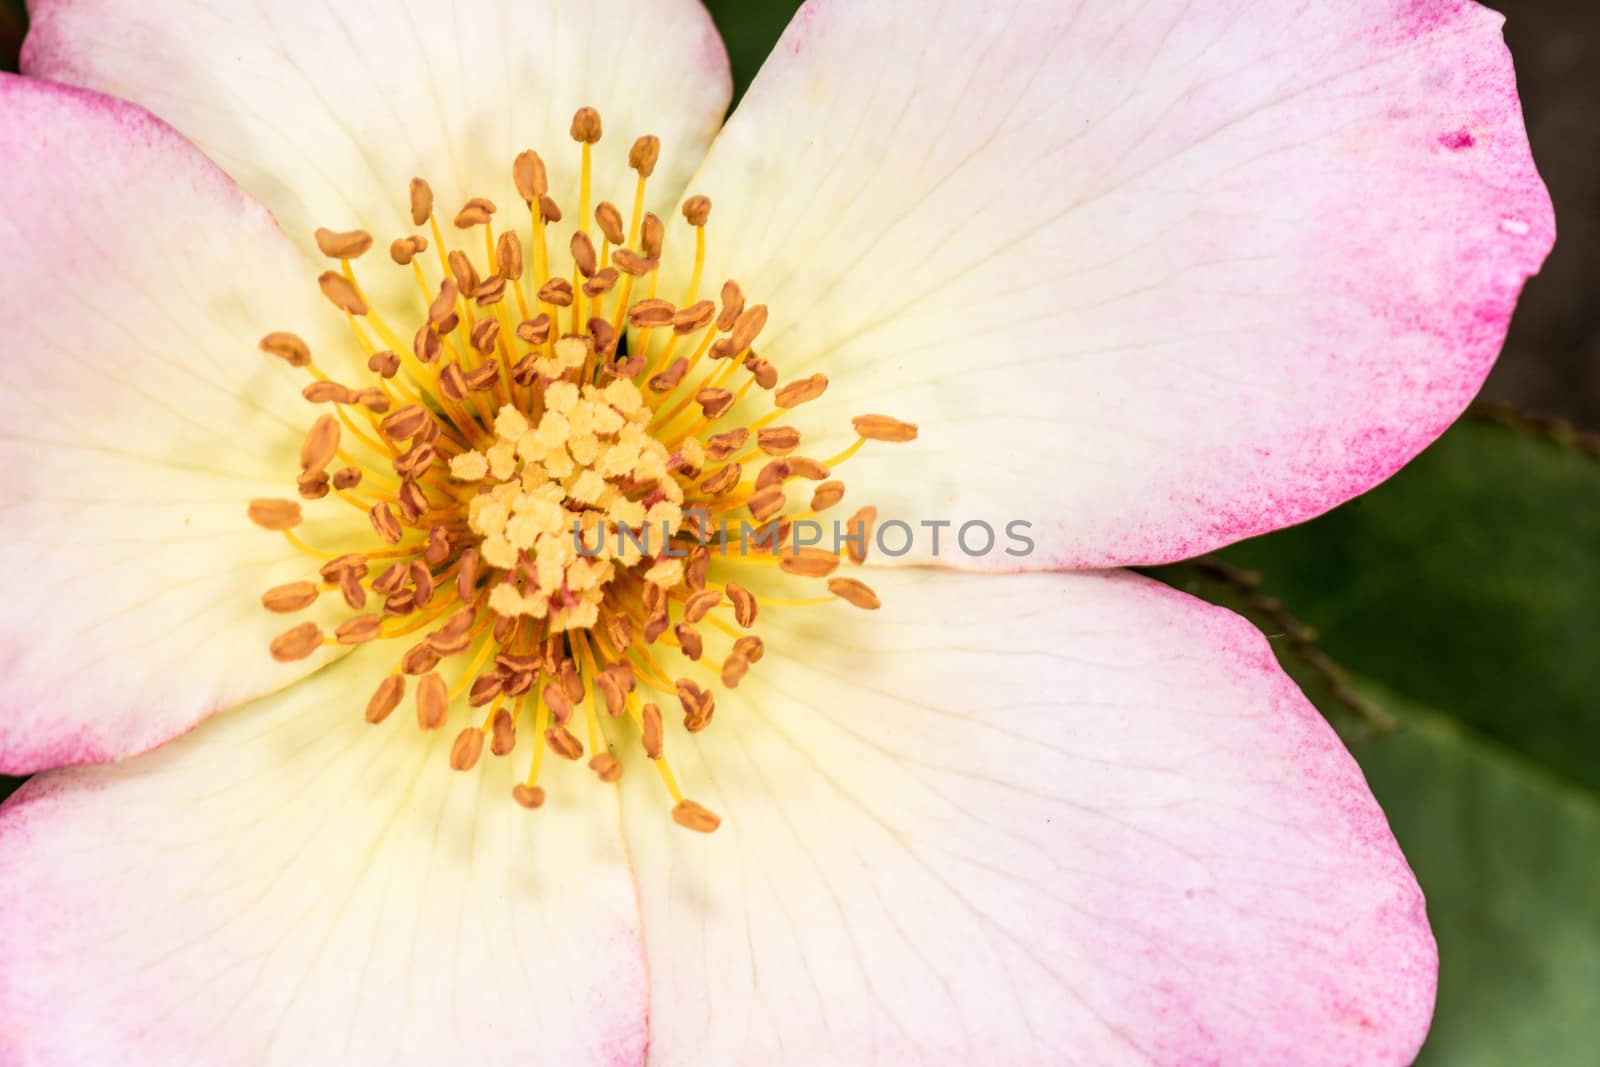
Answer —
392 578
750 647
350 589
556 292
549 210
772 474
809 563
827 495
714 402
384 522
275 514
622 674
858 528
465 274
399 605
404 424
341 293
695 569
535 331
767 503
321 444
482 379
583 254
438 547
467 749
359 629
697 209
528 796
601 284
503 733
352 244
508 256
612 692
721 349
467 576
297 642
605 337
486 335
571 683
655 626
668 380
698 705
691 816
858 593
291 597
529 175
643 155
418 458
630 262
700 604
386 698
884 428
732 305
721 480
404 249
413 502
287 347
490 291
606 766
694 317
610 221
586 125
419 659
745 608
444 304
765 374
796 393
619 628
421 201
720 446
807 468
485 688
346 478
734 668
748 326
651 313
652 234
313 485
433 702
327 392
475 212
651 727
373 399
689 640
563 744
560 705
350 561
426 344
778 440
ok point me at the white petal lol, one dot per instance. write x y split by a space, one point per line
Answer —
325 111
288 885
1025 819
1153 277
137 421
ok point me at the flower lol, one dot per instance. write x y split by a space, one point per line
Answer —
1150 280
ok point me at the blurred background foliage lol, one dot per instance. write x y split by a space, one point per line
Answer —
1447 622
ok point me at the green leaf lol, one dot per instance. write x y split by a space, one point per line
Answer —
1469 582
1468 587
750 28
1509 858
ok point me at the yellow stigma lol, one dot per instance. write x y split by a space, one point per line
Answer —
542 453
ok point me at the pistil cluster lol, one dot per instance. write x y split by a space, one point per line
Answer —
541 454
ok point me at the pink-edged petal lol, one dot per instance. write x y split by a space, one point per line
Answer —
287 885
325 111
1025 819
1153 277
139 419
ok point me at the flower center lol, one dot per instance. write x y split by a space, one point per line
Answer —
551 465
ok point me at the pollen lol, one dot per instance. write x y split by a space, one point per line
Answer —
548 448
